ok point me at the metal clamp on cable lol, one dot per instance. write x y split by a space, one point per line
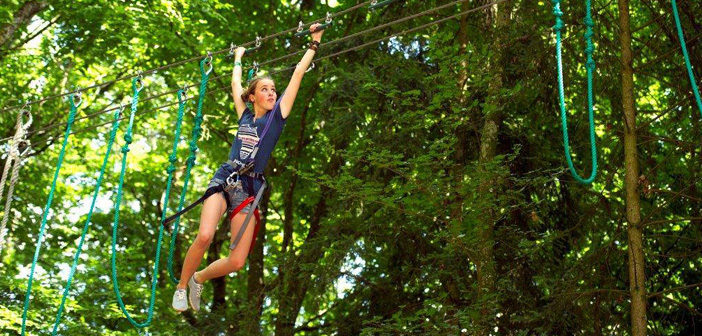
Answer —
256 47
375 4
327 22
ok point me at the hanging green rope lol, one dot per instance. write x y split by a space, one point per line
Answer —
590 65
197 130
125 150
171 168
79 249
681 37
154 276
42 226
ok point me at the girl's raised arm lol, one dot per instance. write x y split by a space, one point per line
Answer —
288 99
237 90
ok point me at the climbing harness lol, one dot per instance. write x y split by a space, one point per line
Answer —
79 249
234 180
681 37
590 65
254 204
14 161
42 226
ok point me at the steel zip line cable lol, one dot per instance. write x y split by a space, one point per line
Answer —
170 65
274 72
295 53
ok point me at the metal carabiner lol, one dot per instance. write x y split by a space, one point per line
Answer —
22 125
300 27
328 20
209 61
139 79
121 109
232 182
182 94
232 48
254 70
310 68
80 99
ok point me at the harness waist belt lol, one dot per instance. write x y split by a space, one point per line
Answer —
244 169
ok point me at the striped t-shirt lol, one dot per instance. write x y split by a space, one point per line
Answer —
247 137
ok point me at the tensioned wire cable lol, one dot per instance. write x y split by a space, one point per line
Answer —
170 65
92 127
279 58
87 128
370 30
224 50
267 62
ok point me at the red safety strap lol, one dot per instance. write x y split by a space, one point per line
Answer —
241 206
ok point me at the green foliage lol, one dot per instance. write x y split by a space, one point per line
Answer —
379 198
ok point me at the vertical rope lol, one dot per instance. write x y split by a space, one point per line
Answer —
154 276
590 65
42 226
686 56
125 150
14 159
197 130
79 249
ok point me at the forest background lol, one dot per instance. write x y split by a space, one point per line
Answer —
419 187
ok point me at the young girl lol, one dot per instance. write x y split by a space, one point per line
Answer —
256 137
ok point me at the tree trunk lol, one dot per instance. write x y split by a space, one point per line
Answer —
256 291
633 212
485 262
297 280
21 18
288 199
298 276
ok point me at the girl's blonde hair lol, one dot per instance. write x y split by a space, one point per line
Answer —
252 88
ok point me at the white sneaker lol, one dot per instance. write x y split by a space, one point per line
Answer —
179 302
195 293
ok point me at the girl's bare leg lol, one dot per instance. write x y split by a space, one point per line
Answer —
237 257
212 210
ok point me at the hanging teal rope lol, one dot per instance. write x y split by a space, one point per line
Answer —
171 168
154 276
42 226
125 150
115 125
197 130
681 37
590 65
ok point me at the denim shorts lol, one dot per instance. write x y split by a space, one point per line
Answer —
234 196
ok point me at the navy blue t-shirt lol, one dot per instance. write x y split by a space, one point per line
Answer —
247 136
